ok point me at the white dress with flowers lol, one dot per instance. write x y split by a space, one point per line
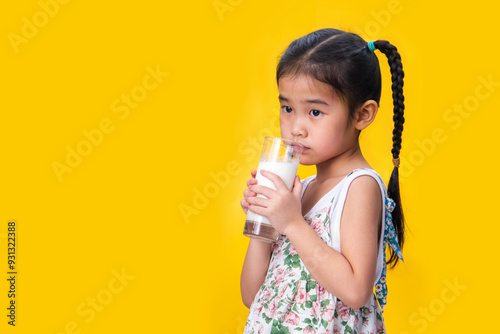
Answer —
291 301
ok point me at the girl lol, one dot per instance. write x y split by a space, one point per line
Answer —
320 275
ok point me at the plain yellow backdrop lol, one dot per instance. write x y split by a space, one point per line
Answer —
128 130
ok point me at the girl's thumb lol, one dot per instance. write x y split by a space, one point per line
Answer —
297 187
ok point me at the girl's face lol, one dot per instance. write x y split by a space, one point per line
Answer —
315 116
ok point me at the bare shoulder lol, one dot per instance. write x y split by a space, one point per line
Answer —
364 186
364 200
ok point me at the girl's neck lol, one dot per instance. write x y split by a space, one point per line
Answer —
341 165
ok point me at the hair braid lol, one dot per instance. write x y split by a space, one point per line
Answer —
397 75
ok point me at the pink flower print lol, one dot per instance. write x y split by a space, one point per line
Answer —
267 295
257 309
355 320
271 309
292 250
344 311
380 326
280 274
316 309
318 226
309 330
276 246
328 313
322 292
282 290
337 330
300 296
292 318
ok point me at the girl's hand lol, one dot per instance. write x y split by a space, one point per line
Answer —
282 207
248 193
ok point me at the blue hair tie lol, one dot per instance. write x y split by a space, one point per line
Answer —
371 46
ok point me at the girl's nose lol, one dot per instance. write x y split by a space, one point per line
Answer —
296 135
298 129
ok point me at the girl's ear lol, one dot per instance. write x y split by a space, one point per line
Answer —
365 114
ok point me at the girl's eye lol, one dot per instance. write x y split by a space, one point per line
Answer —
315 113
287 109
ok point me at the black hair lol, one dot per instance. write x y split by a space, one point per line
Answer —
344 61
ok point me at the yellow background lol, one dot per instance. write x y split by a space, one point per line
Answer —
118 212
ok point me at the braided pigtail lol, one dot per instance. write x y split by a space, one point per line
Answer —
397 75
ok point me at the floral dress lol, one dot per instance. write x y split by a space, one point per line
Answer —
291 301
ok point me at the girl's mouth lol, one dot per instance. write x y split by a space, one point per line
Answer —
300 148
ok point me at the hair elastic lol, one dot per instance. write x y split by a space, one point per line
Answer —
371 46
395 162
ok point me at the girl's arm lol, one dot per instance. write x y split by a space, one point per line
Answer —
254 269
257 258
349 275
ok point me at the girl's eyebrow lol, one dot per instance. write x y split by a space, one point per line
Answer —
316 102
284 99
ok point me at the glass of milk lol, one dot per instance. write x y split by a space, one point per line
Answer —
280 156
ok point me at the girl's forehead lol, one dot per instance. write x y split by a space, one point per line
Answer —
304 85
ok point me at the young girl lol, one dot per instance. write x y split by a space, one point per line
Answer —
320 275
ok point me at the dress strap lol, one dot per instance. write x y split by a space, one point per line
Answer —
305 183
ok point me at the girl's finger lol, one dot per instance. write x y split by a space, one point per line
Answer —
278 182
263 190
297 187
249 193
253 172
256 201
257 209
244 205
251 181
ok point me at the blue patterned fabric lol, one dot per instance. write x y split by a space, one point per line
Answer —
390 238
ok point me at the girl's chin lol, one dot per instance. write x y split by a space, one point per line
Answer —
306 162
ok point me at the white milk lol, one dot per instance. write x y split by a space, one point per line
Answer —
286 170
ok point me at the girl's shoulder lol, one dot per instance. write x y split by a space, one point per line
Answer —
339 190
355 174
364 171
350 177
